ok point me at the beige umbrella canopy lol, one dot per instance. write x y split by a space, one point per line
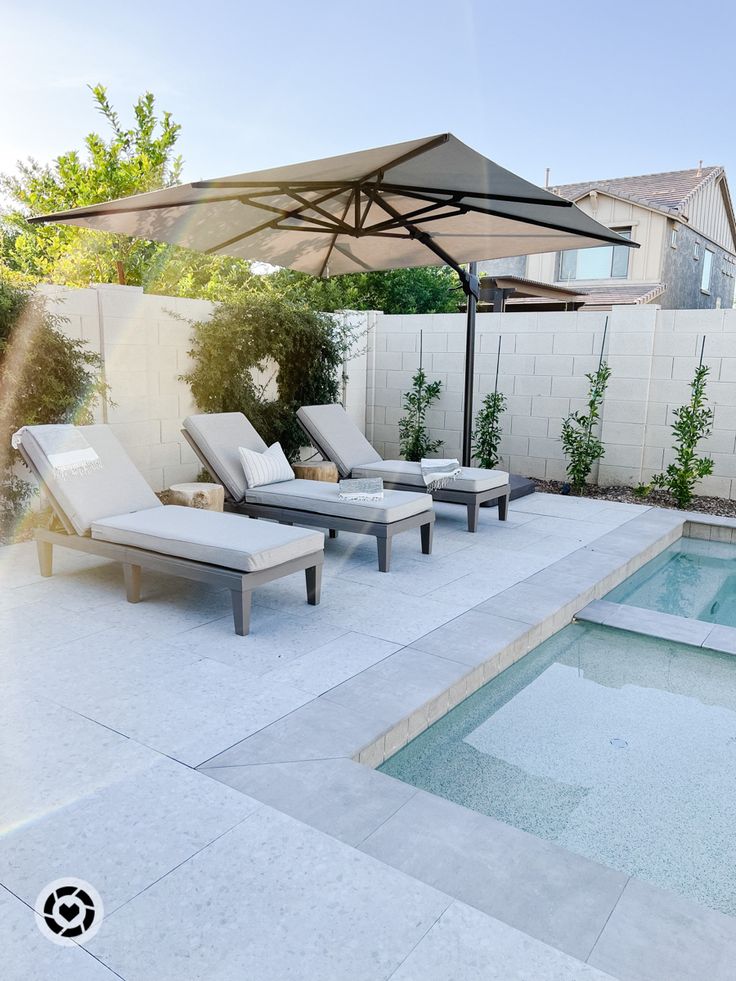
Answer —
432 201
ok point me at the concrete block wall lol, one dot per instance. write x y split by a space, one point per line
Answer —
544 359
143 340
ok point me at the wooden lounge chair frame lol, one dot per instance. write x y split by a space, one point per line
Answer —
241 584
383 532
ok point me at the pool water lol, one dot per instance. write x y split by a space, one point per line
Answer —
618 747
691 578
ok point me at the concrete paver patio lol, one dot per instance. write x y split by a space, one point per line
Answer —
206 784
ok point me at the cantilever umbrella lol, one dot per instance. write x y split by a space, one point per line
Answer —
433 201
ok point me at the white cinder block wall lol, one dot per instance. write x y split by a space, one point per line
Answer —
144 341
544 357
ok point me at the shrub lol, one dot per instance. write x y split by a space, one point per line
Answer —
693 422
251 332
580 444
45 377
413 432
487 433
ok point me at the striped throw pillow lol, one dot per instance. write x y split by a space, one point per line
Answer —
270 467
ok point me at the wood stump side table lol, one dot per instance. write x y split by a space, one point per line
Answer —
316 470
208 497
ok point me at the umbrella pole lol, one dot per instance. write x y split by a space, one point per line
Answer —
471 287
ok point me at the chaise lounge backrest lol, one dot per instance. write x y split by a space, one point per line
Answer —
116 488
218 437
335 434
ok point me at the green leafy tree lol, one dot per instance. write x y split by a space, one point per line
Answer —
130 161
581 445
45 377
431 289
693 423
487 433
413 432
253 333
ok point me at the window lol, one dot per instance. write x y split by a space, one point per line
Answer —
696 251
608 262
673 237
706 271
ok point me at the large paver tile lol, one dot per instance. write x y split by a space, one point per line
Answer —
354 606
161 815
654 935
29 956
472 638
50 756
329 665
318 730
193 712
392 689
531 884
344 799
276 638
722 638
467 945
272 899
652 623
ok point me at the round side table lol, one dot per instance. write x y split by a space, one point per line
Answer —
208 497
316 470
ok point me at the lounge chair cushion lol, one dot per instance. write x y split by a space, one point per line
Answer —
117 488
224 540
322 497
218 436
334 431
471 479
269 467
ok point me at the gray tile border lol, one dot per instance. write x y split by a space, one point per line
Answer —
533 885
654 935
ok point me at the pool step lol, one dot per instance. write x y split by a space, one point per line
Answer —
663 626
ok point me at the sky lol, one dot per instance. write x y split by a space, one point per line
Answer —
589 90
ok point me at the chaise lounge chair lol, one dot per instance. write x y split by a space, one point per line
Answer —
331 430
216 437
112 511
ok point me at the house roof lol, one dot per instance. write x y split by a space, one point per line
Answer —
669 192
605 296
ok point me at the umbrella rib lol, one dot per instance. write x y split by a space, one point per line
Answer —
332 244
556 202
270 224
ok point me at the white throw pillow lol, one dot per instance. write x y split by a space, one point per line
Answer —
270 467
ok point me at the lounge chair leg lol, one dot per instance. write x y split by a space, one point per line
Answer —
241 610
132 574
503 507
333 533
314 584
426 533
473 511
384 553
45 552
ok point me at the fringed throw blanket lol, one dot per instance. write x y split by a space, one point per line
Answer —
66 449
439 473
361 489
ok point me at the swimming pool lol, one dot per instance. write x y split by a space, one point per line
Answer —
619 747
692 578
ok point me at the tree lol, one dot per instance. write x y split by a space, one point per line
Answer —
414 437
430 289
131 161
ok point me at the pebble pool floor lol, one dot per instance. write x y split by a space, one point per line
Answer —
692 578
618 747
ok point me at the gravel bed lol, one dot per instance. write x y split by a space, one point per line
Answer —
718 506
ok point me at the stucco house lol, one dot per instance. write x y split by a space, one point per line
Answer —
684 223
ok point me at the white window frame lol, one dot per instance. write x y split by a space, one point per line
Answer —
707 271
673 237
